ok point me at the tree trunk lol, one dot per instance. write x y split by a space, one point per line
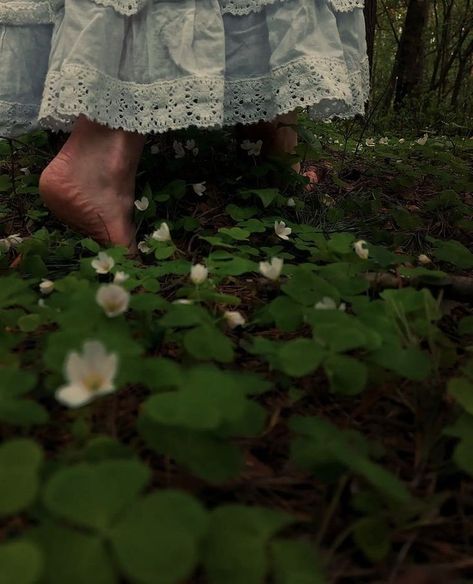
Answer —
409 65
370 19
461 74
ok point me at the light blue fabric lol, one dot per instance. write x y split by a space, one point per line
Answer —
154 65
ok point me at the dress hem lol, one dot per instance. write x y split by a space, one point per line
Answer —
323 85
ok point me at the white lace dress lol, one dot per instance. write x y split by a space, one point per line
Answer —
153 65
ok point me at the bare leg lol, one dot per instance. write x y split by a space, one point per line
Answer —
90 185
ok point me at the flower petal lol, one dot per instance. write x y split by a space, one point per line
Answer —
74 396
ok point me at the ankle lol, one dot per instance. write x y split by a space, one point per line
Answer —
114 153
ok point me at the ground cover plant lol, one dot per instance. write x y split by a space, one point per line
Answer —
280 390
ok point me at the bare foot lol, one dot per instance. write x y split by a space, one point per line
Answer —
90 185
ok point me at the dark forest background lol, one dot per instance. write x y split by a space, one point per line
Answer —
421 56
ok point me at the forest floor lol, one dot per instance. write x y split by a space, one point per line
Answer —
326 439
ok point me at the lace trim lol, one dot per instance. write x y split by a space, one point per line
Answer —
26 12
243 7
347 5
143 108
125 7
16 119
322 84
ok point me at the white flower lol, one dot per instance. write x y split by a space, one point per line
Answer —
424 259
41 302
25 171
89 375
271 270
195 151
422 141
199 188
103 263
402 140
199 274
360 249
234 318
291 202
113 299
154 149
46 286
144 247
11 241
178 149
281 230
120 277
142 204
253 148
328 303
162 234
190 144
370 142
183 301
384 141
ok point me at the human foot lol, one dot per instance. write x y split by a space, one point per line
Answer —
90 184
280 137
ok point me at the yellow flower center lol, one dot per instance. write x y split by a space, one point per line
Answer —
94 381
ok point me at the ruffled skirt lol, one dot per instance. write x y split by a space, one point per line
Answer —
155 65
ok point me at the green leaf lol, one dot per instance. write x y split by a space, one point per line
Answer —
156 542
93 495
238 213
207 399
236 549
183 315
205 454
321 442
453 252
29 322
411 363
208 343
13 384
347 375
287 314
465 326
300 357
147 302
462 391
295 562
73 557
90 244
159 373
340 339
235 233
371 535
307 288
341 243
228 265
164 251
20 460
21 563
15 291
266 196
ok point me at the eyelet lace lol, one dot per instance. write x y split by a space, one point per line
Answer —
17 118
243 7
19 12
322 84
125 7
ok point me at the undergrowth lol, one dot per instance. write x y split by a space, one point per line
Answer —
296 409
